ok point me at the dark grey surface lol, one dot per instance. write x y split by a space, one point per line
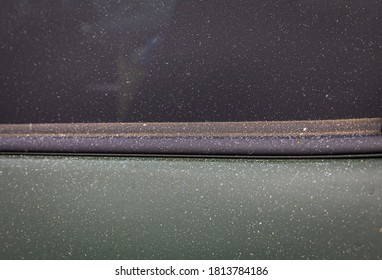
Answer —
181 60
231 146
150 208
352 137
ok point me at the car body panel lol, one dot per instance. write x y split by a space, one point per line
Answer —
189 208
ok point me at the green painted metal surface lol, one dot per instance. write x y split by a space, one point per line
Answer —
176 208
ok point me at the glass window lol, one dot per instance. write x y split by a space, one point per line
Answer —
179 60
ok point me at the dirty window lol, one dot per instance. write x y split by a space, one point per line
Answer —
177 60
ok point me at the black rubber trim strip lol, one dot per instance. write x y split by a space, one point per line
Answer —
294 138
198 129
182 156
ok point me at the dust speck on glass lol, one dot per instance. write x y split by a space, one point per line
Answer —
180 60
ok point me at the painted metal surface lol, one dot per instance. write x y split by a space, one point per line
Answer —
150 208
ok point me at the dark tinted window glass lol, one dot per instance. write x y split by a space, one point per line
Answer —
169 60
